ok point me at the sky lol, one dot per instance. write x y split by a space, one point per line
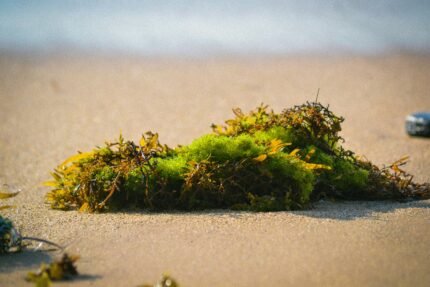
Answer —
215 27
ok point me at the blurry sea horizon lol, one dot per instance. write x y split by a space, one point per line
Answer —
205 28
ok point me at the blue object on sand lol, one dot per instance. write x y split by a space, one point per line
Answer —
418 124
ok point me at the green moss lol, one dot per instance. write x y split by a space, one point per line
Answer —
348 178
104 177
277 132
172 168
267 203
134 185
105 152
223 148
318 156
295 179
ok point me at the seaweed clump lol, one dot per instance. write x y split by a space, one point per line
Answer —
62 269
261 161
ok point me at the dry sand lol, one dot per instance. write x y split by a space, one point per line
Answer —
52 107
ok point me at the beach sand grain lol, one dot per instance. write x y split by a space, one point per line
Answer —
53 106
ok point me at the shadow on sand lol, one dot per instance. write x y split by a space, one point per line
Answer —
27 261
339 210
350 210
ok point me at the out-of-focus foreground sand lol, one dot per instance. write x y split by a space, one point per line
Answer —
52 107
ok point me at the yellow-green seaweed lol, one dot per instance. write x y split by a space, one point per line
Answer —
261 161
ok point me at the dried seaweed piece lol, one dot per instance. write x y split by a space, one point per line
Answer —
5 194
165 281
258 119
314 124
62 269
92 181
392 182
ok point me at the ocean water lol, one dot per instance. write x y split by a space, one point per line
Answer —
189 27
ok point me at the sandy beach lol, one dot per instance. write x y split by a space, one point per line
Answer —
51 107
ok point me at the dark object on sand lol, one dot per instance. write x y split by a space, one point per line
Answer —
418 124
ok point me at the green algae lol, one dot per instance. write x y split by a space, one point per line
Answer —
261 161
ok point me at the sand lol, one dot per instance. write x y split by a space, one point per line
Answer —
53 106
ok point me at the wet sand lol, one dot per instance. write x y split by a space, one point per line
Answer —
52 107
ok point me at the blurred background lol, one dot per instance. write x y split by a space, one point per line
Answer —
201 28
76 73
